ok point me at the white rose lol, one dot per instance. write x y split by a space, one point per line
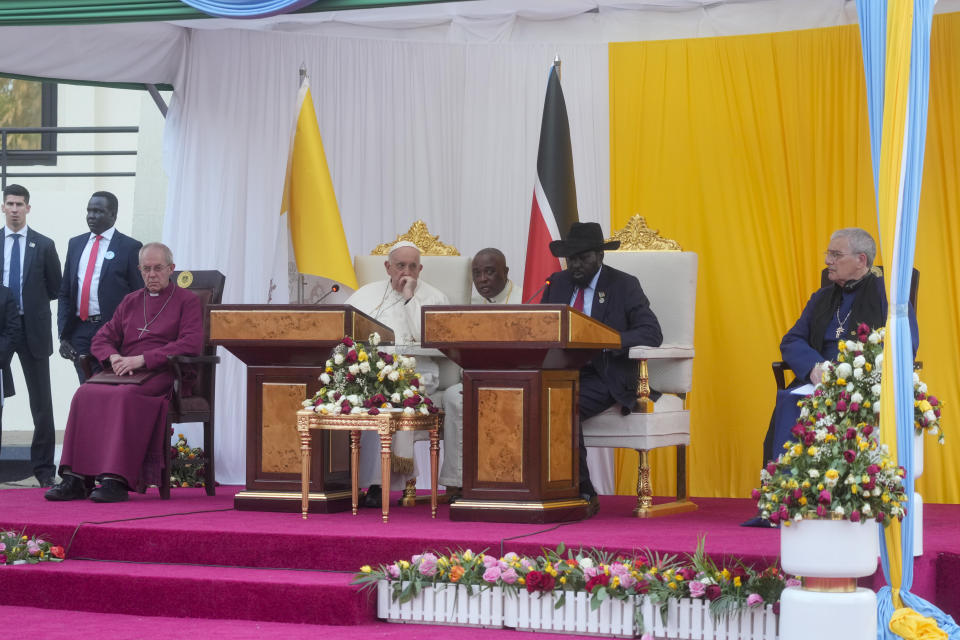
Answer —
877 492
307 403
852 346
395 398
387 369
394 376
329 363
356 410
804 412
826 375
856 397
408 393
331 394
850 387
374 339
325 378
353 399
424 410
838 511
408 411
878 363
798 517
922 388
586 563
354 369
380 364
866 508
410 363
876 408
874 338
930 415
875 390
916 378
858 373
844 370
859 361
338 358
364 367
813 473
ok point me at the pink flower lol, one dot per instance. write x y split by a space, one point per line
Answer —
415 383
851 433
867 429
646 636
854 407
428 564
771 468
754 599
849 455
509 575
881 516
627 581
490 561
713 592
492 574
825 497
755 494
347 341
873 469
688 573
352 355
374 411
809 438
793 582
618 569
841 406
393 570
854 516
697 589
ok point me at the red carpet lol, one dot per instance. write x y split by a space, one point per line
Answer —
262 550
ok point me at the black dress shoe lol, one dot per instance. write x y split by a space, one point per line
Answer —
70 488
593 504
46 482
110 490
373 498
759 522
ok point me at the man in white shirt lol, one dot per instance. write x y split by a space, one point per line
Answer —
489 270
396 302
101 268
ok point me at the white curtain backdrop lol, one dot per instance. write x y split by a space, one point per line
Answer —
427 112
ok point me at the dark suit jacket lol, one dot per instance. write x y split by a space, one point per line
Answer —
41 280
10 331
119 275
619 303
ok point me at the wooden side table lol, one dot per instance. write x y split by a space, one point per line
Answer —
385 424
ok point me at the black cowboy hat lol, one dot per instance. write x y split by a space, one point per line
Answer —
583 236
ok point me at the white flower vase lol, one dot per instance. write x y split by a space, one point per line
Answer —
443 604
830 555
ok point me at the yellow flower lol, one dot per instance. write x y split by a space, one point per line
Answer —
521 580
828 402
797 449
806 484
832 474
404 564
615 582
653 571
925 405
329 369
366 568
802 500
467 556
829 437
563 579
812 451
841 382
180 436
854 488
885 498
864 445
672 585
867 367
819 486
736 581
362 356
867 404
726 574
840 357
841 345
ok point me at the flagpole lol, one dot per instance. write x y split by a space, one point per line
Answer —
301 279
556 65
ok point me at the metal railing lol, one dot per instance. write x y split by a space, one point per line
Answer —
7 154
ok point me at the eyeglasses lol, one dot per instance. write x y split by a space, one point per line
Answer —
833 256
155 269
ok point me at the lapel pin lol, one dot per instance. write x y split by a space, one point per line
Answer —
601 297
33 244
108 255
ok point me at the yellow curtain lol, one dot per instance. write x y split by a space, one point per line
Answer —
750 151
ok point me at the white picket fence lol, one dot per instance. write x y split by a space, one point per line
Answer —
687 619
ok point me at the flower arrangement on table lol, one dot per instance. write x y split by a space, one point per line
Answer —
732 587
17 548
360 379
187 464
835 466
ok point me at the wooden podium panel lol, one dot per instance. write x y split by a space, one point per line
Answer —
285 348
520 409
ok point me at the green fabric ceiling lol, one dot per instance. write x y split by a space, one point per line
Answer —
47 12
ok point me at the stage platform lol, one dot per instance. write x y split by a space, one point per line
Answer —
195 556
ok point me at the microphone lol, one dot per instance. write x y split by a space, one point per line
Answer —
546 283
333 289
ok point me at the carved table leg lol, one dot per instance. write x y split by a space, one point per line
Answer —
386 440
303 427
644 489
409 493
355 468
434 469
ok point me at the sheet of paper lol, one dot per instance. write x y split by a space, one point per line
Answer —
805 390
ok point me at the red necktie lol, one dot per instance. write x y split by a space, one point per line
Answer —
87 279
578 301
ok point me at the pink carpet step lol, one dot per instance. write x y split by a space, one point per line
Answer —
270 595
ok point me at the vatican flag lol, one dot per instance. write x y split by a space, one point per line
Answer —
316 230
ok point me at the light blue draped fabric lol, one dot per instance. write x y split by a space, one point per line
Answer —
873 27
247 8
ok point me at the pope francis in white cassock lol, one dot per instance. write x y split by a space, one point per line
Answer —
396 302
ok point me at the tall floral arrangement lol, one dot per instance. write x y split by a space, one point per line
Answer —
361 379
835 466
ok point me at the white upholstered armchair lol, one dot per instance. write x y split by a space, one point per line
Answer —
669 278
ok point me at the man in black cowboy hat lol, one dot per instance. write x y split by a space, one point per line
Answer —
616 299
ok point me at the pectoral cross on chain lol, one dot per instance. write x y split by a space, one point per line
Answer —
144 330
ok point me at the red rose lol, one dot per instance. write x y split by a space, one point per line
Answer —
825 497
880 516
867 429
602 579
713 592
374 411
850 455
57 552
688 573
771 468
854 516
347 341
415 383
352 355
809 438
539 581
642 586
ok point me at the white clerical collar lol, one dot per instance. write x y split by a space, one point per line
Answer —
501 297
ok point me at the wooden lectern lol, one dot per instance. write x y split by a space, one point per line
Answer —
285 348
520 389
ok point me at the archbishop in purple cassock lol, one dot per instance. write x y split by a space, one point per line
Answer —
114 430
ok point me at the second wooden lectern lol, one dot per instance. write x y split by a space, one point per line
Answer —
285 348
520 388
